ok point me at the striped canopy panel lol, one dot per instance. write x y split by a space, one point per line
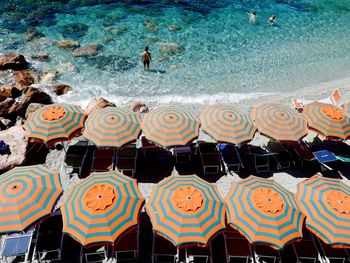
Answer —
227 124
264 212
100 208
170 126
186 210
279 122
112 127
346 108
27 194
54 122
327 120
326 204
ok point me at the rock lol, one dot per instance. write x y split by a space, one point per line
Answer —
32 33
5 107
35 95
150 41
105 40
61 89
170 48
96 104
49 76
110 63
5 124
163 58
73 30
25 78
68 44
20 121
138 106
151 25
2 98
174 27
10 91
116 30
68 67
175 66
32 107
86 51
13 61
41 57
7 77
17 140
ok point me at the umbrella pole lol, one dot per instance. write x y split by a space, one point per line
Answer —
81 254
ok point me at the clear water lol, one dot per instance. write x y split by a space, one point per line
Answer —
223 58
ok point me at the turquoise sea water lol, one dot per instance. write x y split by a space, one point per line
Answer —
222 55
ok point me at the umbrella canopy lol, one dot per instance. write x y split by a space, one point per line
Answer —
327 120
186 210
326 204
264 212
279 122
170 126
112 127
100 208
27 194
227 124
54 122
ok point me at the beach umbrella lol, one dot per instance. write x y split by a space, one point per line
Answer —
326 204
279 122
264 212
112 127
55 122
327 120
227 124
102 207
186 210
27 194
170 126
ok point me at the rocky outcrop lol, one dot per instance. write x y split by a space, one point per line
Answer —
5 124
96 104
61 89
170 48
73 30
151 25
17 140
32 107
174 27
25 78
86 51
31 34
49 76
40 56
116 30
138 106
10 91
13 61
67 44
5 107
35 95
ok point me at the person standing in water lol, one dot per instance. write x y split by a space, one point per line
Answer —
252 17
272 19
146 58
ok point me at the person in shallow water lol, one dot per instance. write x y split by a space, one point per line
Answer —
272 19
252 17
146 58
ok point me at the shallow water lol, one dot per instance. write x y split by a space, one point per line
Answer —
223 58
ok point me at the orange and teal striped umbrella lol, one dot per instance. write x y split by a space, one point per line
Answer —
227 124
27 194
264 212
326 204
186 210
54 122
279 122
170 126
327 120
112 127
100 208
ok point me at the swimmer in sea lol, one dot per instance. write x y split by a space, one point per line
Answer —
272 20
146 58
252 17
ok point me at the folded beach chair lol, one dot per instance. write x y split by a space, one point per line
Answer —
231 157
182 154
75 156
103 160
266 254
238 249
297 105
17 247
333 255
210 158
163 251
126 249
282 156
306 250
195 254
126 159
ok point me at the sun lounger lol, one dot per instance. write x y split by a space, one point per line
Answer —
103 160
231 157
297 105
210 158
75 156
95 255
126 249
17 246
282 157
237 247
126 159
148 148
306 250
182 154
324 157
333 99
195 254
163 251
302 152
266 254
334 255
261 158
